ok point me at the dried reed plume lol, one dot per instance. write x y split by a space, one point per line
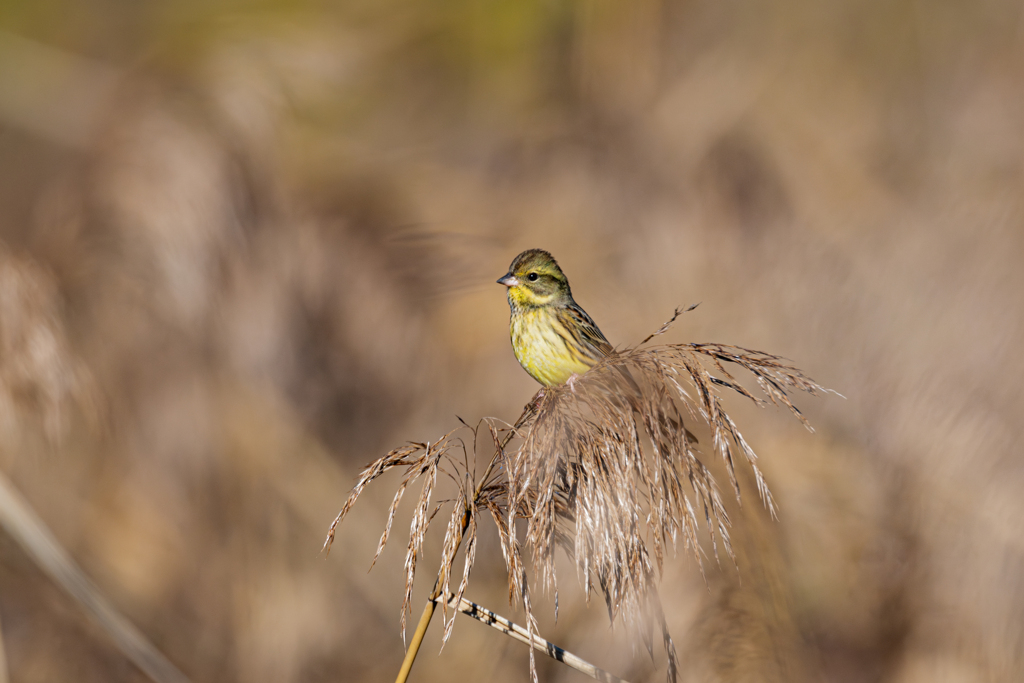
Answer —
603 467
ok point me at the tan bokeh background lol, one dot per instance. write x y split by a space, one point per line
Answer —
245 248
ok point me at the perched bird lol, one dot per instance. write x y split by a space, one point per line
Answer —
553 337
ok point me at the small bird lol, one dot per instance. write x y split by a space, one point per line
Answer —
553 338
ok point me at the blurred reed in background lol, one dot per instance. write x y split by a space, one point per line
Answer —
247 248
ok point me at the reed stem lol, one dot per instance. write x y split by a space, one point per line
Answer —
428 609
513 630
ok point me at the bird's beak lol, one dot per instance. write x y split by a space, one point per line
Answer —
508 279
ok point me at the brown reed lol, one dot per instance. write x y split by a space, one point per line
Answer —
603 467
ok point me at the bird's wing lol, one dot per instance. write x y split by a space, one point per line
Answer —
586 332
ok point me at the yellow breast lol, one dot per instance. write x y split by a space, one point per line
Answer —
544 348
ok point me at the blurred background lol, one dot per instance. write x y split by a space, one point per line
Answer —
247 247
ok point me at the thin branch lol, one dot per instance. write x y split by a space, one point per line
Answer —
668 323
513 630
22 523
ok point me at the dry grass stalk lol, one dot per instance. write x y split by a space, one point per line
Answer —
23 524
517 632
604 468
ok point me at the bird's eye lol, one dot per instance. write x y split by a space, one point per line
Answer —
532 277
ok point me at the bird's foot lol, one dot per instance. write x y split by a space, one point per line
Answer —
535 403
571 382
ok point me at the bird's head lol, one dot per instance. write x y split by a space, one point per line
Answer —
534 279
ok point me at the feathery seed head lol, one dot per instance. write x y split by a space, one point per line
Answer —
534 279
605 469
